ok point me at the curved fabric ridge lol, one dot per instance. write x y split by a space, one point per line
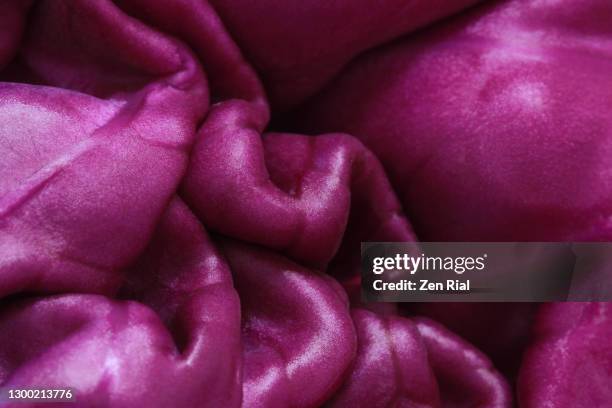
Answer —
298 46
474 322
128 128
80 170
465 375
290 192
197 24
297 335
405 363
492 126
391 368
569 363
183 350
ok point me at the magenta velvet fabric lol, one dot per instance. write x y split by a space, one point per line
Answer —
184 186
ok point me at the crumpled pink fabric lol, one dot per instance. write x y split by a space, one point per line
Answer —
570 361
298 46
493 126
291 132
296 344
156 350
405 363
289 192
93 146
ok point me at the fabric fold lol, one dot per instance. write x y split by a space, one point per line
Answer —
297 334
569 363
175 342
93 146
288 192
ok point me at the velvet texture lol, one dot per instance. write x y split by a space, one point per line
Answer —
163 243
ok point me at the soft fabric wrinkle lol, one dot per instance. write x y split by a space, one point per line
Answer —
528 138
230 185
475 322
465 375
199 26
298 46
119 352
491 125
298 336
391 367
88 176
568 363
407 363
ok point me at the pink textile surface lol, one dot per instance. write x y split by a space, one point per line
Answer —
184 186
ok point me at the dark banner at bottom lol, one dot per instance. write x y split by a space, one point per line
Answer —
486 271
